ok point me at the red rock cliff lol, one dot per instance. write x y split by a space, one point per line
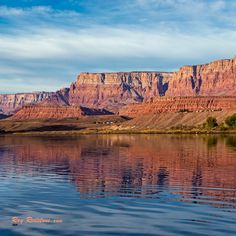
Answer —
113 90
180 104
46 110
214 79
10 103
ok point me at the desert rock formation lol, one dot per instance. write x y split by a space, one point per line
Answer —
43 111
214 79
9 103
114 90
180 104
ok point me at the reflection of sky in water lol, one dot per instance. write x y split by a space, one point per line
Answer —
114 184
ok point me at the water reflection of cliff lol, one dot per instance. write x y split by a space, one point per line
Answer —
131 164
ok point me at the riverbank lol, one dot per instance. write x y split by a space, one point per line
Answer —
113 124
107 131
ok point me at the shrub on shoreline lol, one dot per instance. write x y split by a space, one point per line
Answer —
211 122
231 121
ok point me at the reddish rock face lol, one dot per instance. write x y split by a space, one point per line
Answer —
45 111
9 103
180 104
114 90
214 79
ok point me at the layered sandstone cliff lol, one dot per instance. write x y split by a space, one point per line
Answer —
214 79
114 90
9 103
45 111
180 104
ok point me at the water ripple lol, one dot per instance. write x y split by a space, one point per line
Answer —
118 185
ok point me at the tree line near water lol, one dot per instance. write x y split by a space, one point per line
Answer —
229 123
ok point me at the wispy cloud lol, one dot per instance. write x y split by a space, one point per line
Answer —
34 11
107 42
7 11
45 46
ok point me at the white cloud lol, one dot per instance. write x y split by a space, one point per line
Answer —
188 7
218 5
6 11
107 42
43 49
35 11
10 11
51 58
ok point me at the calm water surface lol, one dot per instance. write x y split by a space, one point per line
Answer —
118 185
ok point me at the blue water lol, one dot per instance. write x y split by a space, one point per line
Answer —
118 185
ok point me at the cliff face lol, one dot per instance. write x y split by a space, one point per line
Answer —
180 104
214 79
9 103
44 111
114 90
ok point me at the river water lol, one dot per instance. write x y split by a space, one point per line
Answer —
118 185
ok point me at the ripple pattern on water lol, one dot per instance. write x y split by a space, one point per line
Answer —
119 185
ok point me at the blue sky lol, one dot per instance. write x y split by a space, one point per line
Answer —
44 44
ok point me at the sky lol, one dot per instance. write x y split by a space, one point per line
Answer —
45 44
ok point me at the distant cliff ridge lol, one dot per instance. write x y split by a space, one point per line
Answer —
114 90
10 103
